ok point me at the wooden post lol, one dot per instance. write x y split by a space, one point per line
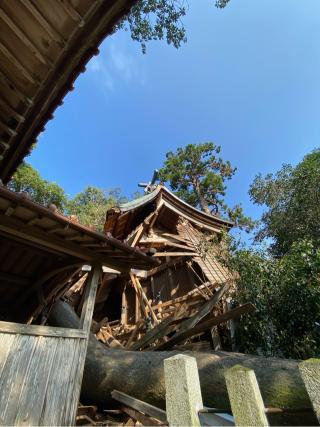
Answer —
310 372
89 298
245 397
140 291
183 393
124 307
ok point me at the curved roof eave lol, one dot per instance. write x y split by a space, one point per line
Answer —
211 221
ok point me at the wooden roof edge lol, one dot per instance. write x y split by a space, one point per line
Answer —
202 218
19 199
91 34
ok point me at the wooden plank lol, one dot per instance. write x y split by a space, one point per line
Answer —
188 324
161 242
205 325
124 307
63 376
138 236
143 419
73 394
164 266
13 375
44 23
140 304
175 236
89 299
134 333
205 309
24 38
153 334
16 62
176 301
161 254
6 341
139 405
145 299
33 392
36 330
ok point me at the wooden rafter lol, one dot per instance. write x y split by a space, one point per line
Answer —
44 22
24 38
17 63
72 12
11 110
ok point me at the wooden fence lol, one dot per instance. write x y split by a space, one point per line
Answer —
41 368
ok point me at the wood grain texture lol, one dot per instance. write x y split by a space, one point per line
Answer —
39 379
48 331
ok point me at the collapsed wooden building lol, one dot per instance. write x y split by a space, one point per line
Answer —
43 49
185 241
152 281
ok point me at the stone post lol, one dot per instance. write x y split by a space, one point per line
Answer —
245 397
183 393
310 372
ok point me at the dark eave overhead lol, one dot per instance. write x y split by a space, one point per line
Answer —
43 49
22 219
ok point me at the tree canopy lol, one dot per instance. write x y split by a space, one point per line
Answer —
197 174
292 199
158 20
89 206
282 277
28 180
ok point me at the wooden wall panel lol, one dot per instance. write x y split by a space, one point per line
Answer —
39 379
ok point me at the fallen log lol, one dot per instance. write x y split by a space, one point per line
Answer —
140 374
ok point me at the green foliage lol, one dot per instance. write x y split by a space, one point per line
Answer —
286 293
91 205
28 180
197 175
292 198
158 20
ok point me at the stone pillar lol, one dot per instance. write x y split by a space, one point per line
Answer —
310 372
183 393
245 397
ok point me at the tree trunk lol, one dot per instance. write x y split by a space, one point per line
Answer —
202 201
140 374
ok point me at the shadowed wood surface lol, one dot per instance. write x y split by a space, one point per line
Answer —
38 379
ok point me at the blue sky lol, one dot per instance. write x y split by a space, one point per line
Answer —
247 79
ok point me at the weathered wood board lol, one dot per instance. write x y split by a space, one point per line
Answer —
41 368
39 379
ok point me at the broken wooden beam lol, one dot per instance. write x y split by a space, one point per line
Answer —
205 325
139 405
190 323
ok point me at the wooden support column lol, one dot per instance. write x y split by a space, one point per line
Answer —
90 297
245 397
